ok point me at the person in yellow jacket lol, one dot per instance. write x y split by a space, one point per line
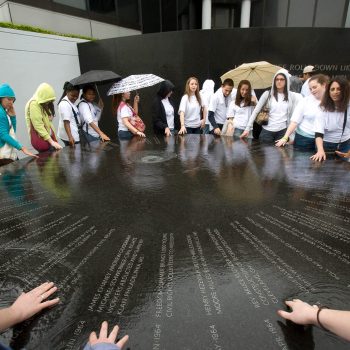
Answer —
39 113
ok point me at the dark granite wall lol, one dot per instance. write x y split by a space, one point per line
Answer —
210 53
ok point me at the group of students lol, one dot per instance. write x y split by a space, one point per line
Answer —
75 120
319 121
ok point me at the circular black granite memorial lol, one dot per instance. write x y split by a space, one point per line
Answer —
187 243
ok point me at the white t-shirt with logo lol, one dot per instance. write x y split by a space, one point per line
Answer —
330 124
66 113
241 114
278 113
191 109
304 115
90 113
219 104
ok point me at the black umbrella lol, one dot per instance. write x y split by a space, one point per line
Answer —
95 77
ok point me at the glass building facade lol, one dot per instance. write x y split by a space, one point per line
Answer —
151 16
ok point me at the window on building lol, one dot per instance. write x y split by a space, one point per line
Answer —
275 13
79 4
169 15
257 13
223 17
330 13
347 19
301 13
128 12
105 7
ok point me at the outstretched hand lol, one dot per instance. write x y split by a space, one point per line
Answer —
302 313
319 156
105 338
244 134
29 304
343 154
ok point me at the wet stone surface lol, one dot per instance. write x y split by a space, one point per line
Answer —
186 243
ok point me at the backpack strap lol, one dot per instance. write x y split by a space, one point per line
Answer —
122 104
87 126
79 125
344 123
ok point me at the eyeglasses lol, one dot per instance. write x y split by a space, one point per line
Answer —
12 99
280 79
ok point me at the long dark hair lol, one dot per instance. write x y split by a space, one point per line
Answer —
327 104
67 87
248 99
116 100
285 89
49 108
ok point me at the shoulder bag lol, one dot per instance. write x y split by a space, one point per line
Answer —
7 151
344 124
134 120
263 116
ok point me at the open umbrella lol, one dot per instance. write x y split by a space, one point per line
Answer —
260 74
95 77
134 82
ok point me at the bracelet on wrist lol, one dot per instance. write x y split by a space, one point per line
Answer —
285 138
318 316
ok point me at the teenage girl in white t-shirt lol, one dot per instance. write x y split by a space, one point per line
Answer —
190 109
240 109
124 112
69 115
332 126
90 114
281 103
303 117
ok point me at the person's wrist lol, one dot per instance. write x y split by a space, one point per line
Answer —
15 315
313 316
285 138
318 316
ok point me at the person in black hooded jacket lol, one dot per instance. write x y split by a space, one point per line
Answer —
165 121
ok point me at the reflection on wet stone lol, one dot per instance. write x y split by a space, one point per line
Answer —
185 242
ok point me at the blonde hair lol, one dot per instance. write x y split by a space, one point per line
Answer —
196 93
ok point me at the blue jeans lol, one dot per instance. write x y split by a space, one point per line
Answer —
332 147
206 129
91 138
66 143
303 143
219 126
193 130
125 135
238 133
271 136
